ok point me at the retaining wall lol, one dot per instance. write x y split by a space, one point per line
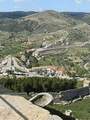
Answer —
71 94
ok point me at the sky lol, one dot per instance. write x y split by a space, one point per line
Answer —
41 5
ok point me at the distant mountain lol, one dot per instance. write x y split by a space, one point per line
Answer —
50 21
16 14
78 15
42 22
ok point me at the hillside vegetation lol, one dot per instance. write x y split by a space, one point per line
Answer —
21 31
37 84
80 109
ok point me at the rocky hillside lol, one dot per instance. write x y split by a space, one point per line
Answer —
61 38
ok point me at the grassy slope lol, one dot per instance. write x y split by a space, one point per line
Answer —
81 109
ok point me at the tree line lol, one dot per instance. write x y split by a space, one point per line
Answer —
37 84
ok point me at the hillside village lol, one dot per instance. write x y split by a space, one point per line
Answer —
12 65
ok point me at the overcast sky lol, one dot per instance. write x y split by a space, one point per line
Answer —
40 5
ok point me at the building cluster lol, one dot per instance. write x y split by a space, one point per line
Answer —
12 65
50 71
